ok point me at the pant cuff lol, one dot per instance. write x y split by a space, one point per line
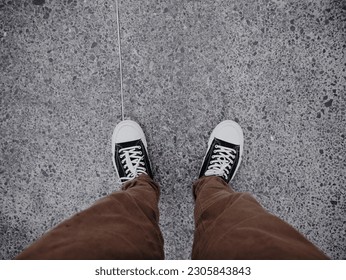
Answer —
208 181
142 179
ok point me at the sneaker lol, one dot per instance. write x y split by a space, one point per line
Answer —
225 149
130 154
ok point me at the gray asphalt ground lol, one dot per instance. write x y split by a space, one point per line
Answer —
277 67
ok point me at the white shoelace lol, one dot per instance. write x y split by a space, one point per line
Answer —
132 159
222 158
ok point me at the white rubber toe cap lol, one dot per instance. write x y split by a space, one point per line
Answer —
228 131
127 131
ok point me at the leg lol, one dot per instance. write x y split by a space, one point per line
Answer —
233 225
124 225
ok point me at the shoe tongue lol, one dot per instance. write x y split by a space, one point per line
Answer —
129 164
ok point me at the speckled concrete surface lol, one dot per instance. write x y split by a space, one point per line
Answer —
276 67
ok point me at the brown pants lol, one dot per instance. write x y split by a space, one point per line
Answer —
124 225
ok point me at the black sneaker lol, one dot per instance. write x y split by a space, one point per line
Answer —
130 155
225 149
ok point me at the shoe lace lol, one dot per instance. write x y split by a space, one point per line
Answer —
222 161
132 160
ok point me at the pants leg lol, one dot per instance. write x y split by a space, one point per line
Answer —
233 225
123 225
